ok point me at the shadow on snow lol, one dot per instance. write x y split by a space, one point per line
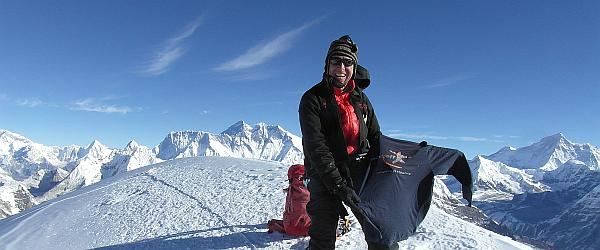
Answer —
249 237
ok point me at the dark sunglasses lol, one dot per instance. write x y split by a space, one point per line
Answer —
338 61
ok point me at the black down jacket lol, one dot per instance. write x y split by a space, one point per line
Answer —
326 159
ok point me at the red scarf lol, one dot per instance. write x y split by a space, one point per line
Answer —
348 120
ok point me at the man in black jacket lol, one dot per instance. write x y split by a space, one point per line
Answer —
340 133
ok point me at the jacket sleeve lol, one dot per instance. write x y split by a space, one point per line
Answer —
452 162
374 132
314 143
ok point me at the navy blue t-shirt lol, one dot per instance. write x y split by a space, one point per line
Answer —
397 194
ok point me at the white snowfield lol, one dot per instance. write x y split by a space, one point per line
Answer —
200 203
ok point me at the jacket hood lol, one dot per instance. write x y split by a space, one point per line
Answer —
362 77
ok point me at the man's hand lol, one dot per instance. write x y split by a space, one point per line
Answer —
348 196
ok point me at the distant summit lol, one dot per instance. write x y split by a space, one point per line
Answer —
545 192
261 141
238 127
548 154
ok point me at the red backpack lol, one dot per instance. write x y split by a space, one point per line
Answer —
295 219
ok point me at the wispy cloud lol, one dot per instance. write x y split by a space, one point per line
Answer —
170 52
97 105
30 102
427 136
262 52
507 136
250 76
450 81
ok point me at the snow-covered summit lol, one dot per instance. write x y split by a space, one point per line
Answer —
548 154
259 131
22 157
260 141
96 150
10 142
239 127
132 146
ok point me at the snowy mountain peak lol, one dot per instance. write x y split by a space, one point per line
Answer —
547 154
95 144
131 147
479 158
237 128
259 130
556 140
262 141
261 126
507 149
96 150
270 130
10 142
7 136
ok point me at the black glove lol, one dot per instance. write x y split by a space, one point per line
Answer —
348 196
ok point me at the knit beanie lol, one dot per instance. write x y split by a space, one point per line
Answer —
342 47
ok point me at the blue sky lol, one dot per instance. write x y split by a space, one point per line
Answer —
472 75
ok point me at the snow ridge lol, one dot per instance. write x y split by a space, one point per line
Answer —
501 177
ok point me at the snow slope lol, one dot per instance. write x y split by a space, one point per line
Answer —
200 203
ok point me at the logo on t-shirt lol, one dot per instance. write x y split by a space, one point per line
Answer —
395 160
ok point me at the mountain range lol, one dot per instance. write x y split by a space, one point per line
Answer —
31 173
546 193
